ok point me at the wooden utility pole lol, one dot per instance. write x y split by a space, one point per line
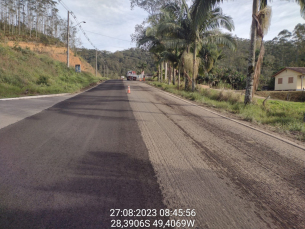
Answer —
96 62
19 16
68 40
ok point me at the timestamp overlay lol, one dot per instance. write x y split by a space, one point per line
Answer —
153 218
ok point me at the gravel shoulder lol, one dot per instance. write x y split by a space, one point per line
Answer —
234 176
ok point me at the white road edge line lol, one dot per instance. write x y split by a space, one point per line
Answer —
51 95
35 97
213 112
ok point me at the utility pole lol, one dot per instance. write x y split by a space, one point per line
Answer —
95 62
68 41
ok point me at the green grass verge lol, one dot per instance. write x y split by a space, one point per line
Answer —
24 72
283 116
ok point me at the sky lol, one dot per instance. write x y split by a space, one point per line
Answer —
109 23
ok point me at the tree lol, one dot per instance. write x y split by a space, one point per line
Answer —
142 66
209 54
253 72
192 29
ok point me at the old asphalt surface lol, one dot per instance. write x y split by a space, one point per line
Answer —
68 165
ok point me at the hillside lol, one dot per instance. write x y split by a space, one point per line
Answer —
118 63
25 72
55 52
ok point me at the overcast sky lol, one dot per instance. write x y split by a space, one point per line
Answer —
116 21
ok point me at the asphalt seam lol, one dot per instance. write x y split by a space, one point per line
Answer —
213 112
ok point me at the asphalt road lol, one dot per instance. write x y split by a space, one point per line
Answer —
67 166
12 111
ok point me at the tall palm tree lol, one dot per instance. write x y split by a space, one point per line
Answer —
251 60
203 6
204 25
259 14
150 41
192 29
142 66
209 55
173 56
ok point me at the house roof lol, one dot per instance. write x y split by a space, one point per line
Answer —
296 69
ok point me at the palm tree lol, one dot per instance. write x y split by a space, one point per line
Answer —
191 28
209 55
258 28
205 27
173 56
203 6
142 66
149 40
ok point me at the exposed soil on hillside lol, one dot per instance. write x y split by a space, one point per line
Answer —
57 53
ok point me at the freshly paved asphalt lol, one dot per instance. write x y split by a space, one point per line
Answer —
68 165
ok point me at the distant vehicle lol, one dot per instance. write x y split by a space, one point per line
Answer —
122 77
132 75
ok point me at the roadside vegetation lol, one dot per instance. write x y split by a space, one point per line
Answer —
187 39
24 72
188 45
282 116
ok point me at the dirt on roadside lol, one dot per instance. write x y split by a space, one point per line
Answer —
57 53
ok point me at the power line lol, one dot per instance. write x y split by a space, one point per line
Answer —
77 22
108 36
83 31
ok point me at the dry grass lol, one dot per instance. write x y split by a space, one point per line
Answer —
295 96
281 116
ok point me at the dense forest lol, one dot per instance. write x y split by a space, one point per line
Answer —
118 63
287 49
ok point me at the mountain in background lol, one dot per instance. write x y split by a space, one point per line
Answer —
118 63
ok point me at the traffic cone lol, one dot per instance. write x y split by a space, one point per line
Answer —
128 90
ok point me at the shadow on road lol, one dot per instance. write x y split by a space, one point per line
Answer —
100 181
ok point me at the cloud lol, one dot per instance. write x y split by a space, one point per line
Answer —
285 15
114 18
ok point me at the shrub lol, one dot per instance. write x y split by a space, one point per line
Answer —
43 80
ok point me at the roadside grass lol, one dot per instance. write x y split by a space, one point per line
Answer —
24 72
284 117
